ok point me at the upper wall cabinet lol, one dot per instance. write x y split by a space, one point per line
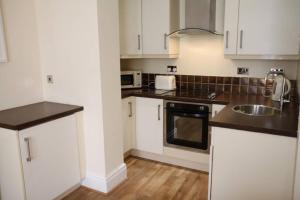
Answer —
144 26
131 27
266 29
3 53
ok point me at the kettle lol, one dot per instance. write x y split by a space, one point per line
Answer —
281 87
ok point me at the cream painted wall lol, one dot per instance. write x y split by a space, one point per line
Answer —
20 78
204 55
68 36
80 48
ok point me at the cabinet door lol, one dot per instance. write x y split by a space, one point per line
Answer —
248 165
269 27
130 27
156 25
231 26
128 112
50 158
3 53
149 125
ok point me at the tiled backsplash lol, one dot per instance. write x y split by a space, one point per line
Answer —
228 85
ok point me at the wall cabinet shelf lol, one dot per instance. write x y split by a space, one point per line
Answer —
262 29
144 26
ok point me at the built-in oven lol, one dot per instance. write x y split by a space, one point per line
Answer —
186 126
131 79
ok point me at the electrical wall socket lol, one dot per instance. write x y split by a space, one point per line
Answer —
50 79
172 69
242 71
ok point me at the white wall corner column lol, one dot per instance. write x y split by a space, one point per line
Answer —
115 169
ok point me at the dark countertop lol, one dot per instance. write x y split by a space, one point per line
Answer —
285 124
34 114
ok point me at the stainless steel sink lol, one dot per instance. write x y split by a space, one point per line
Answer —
255 110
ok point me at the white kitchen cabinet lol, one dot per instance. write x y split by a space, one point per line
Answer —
248 165
149 125
144 26
130 27
262 29
128 112
216 108
231 26
43 162
3 53
158 21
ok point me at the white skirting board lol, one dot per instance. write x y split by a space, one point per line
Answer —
171 160
108 183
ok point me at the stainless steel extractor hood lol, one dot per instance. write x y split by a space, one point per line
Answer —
198 16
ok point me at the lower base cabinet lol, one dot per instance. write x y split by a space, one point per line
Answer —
128 116
149 125
248 165
41 162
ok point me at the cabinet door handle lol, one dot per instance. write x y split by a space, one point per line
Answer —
158 112
139 42
27 141
130 109
165 41
227 38
241 38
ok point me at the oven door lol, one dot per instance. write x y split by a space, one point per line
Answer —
187 128
127 80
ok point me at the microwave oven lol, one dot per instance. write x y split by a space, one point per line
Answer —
131 79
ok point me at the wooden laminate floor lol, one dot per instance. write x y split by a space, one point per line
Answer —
152 180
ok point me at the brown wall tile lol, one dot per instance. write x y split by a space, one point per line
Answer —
244 81
191 85
212 79
252 90
227 89
253 81
198 86
191 79
198 79
212 87
220 80
184 78
227 80
204 79
235 81
235 89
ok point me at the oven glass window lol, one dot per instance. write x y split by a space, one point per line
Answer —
127 79
187 126
188 129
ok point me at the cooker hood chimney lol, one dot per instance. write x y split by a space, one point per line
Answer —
198 16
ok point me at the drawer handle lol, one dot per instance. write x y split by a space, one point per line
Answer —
158 117
27 141
130 109
227 38
241 38
165 41
139 42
